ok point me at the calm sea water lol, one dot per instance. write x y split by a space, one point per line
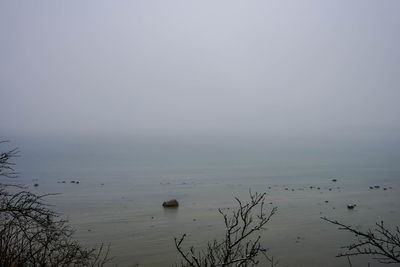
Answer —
123 182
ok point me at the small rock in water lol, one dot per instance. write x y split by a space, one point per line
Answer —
385 188
351 206
77 182
326 201
72 182
170 203
334 180
371 187
376 186
36 185
63 182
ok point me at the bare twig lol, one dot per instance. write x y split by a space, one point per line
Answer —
380 243
237 248
32 234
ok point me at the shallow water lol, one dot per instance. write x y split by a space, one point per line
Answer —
122 187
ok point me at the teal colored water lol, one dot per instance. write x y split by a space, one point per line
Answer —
123 183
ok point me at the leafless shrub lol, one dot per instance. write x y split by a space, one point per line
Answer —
381 243
32 234
237 248
6 166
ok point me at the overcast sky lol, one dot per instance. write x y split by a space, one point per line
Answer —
199 67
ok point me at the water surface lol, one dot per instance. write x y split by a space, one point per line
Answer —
123 183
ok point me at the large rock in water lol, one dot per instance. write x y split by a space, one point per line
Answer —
170 203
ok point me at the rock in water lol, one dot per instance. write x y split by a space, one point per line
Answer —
170 203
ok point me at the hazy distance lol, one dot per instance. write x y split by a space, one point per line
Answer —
223 68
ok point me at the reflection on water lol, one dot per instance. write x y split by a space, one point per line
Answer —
171 211
119 197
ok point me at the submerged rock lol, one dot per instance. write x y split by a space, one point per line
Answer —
170 203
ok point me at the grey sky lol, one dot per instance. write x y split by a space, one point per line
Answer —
199 67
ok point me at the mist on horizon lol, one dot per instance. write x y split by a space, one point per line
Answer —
226 68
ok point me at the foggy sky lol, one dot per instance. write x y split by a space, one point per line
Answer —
199 67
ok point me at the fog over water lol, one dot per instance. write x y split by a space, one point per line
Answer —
145 101
199 68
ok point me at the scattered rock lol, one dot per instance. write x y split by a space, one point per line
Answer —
330 189
371 187
384 188
318 188
170 203
334 180
72 182
326 201
63 182
376 186
36 185
77 182
351 206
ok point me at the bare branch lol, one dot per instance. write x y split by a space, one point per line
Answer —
236 248
380 243
32 234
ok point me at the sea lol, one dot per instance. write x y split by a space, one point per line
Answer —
123 181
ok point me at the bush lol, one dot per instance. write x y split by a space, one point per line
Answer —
32 234
238 247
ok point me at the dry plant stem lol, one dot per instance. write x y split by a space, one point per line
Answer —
237 248
32 234
381 243
6 166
